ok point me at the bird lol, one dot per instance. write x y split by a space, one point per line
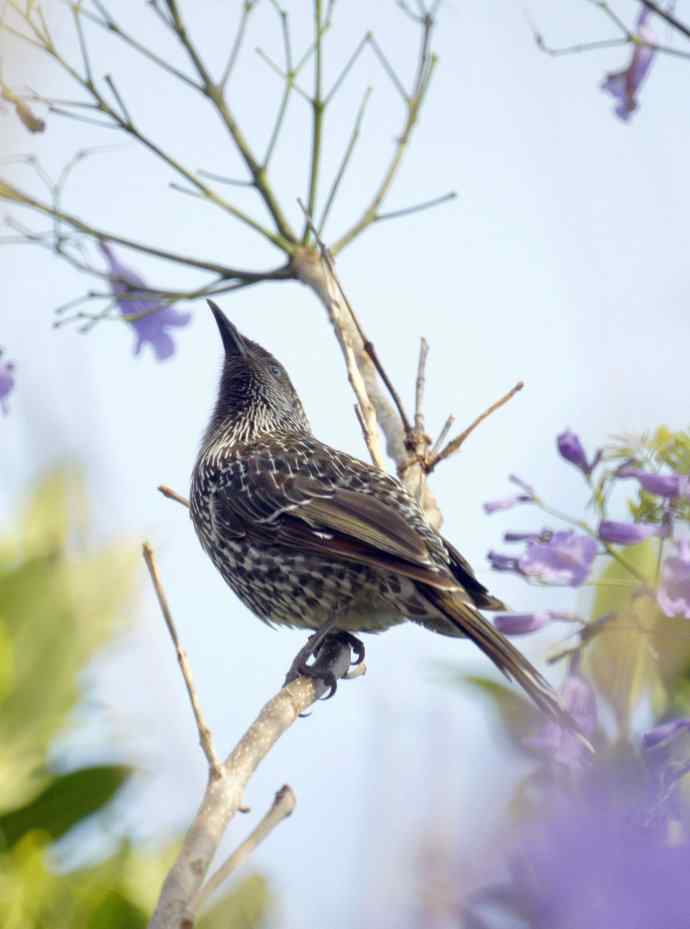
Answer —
310 537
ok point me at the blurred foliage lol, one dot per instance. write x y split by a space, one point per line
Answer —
662 451
60 602
638 653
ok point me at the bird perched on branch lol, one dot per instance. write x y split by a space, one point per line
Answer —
310 537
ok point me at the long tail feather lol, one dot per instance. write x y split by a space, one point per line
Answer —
470 622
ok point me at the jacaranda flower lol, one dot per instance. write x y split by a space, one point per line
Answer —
521 623
6 383
565 559
665 732
624 85
560 745
663 485
593 860
507 503
674 591
154 317
524 623
629 533
570 448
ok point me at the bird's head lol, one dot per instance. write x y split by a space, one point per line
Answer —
256 396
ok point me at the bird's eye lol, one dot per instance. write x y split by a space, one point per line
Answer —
276 370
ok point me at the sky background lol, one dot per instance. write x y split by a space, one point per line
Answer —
562 262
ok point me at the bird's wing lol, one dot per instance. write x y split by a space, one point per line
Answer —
318 516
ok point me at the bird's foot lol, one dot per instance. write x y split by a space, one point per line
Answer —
356 645
327 652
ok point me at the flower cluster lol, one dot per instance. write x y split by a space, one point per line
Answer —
567 557
150 317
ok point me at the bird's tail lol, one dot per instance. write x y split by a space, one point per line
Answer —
469 622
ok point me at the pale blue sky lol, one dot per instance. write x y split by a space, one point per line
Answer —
562 262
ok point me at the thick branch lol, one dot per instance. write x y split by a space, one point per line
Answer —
223 794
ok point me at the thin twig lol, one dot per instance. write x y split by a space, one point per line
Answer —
283 806
205 737
443 435
457 442
417 208
346 159
172 495
247 8
419 386
668 16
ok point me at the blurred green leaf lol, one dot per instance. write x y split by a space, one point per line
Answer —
621 656
246 906
518 717
66 801
115 911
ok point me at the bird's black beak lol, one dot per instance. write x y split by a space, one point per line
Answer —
232 340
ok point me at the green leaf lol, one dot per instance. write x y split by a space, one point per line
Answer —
67 801
621 657
517 715
115 911
245 907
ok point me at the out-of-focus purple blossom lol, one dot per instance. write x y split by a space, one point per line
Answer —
594 861
524 623
155 317
664 733
663 485
507 503
673 595
570 448
565 559
559 745
544 536
617 533
6 383
624 85
500 562
521 623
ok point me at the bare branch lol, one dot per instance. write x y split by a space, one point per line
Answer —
667 16
346 159
172 495
457 442
224 794
247 8
420 383
205 737
418 208
283 806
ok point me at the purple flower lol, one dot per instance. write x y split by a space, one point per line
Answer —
6 383
500 562
155 317
664 733
544 536
663 485
673 595
507 503
629 533
562 746
592 860
570 448
624 85
524 623
565 559
521 623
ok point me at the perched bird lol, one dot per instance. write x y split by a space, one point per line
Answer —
310 537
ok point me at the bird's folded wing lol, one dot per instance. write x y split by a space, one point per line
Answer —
319 517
